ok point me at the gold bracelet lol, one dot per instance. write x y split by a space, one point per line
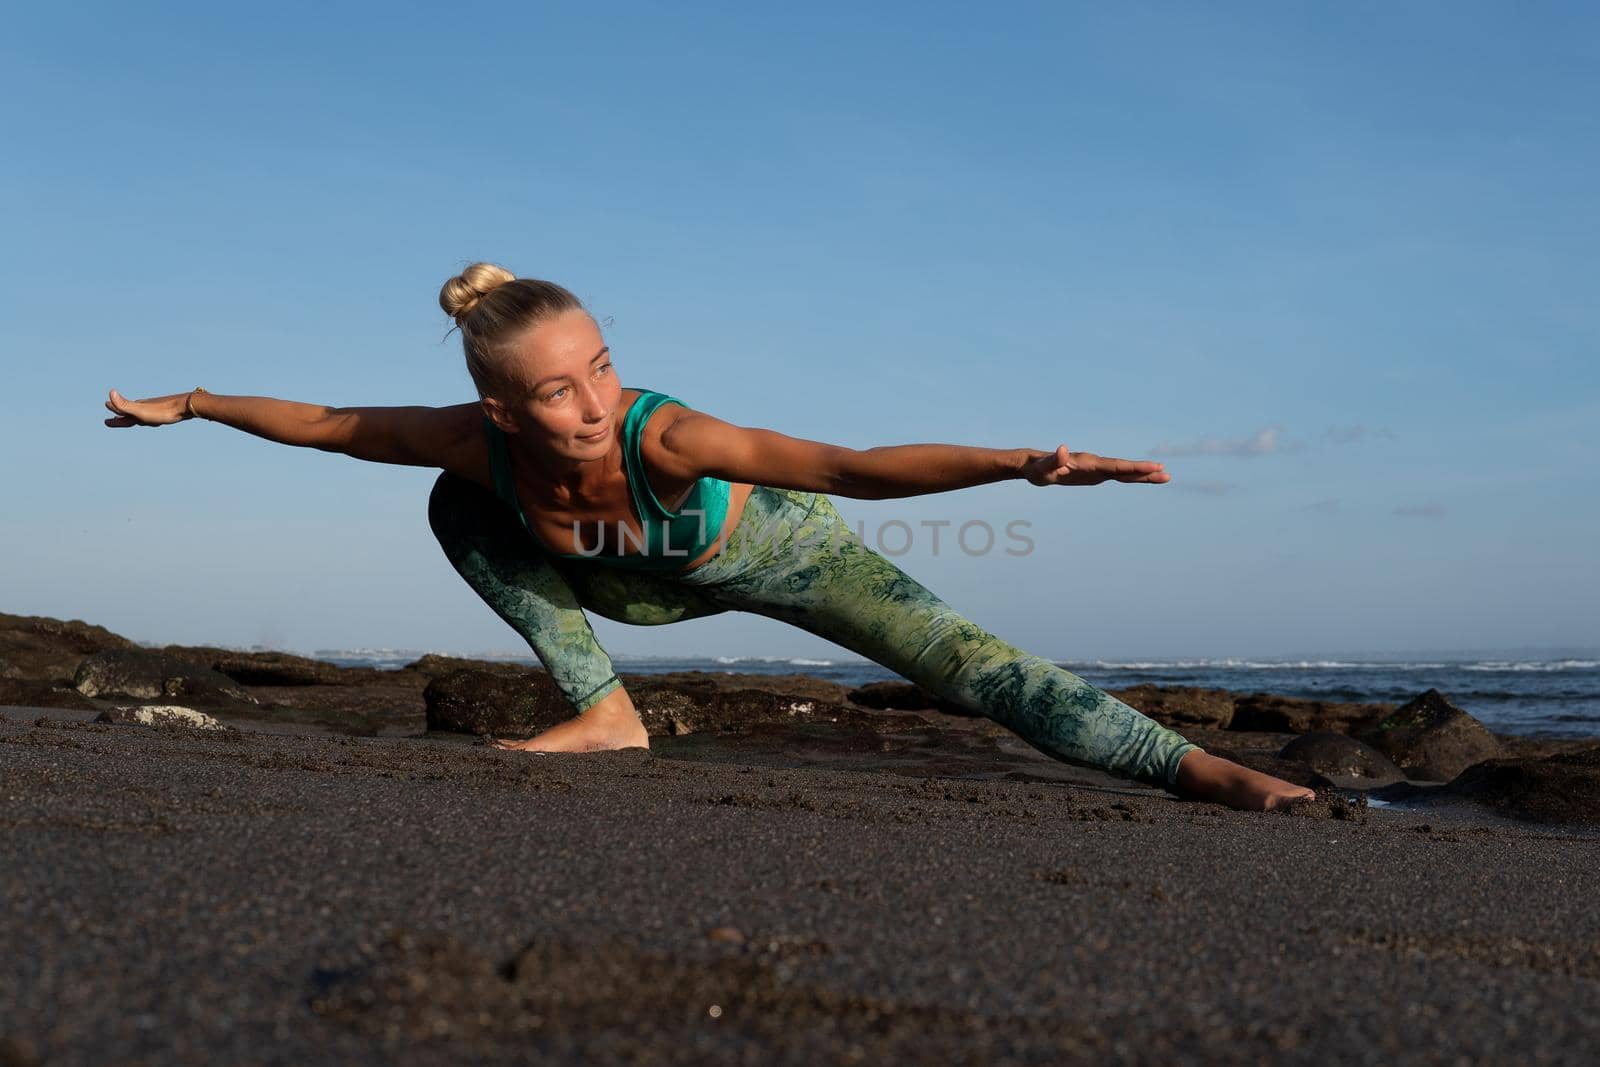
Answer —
188 405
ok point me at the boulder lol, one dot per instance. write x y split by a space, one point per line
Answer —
146 675
1180 706
162 715
1338 756
1430 738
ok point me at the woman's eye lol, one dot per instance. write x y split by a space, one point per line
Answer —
557 394
603 368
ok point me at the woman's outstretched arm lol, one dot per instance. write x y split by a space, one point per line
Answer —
415 436
695 444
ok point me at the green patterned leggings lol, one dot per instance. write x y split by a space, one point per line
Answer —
792 557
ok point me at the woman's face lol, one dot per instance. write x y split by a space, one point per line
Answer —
568 391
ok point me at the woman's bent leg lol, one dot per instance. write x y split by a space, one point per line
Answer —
803 564
496 556
544 598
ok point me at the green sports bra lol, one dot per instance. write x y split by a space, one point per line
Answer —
671 538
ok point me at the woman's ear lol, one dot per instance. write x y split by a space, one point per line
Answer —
497 414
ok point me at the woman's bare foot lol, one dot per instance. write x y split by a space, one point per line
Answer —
610 724
1202 776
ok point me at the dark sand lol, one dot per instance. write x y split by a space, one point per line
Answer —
174 897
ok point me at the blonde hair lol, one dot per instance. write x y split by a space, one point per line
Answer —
493 307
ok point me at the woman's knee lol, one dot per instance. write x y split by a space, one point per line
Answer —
451 498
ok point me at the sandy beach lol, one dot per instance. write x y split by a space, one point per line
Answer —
842 883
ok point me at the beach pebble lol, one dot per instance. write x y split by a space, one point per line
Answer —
142 675
1430 738
161 715
1336 755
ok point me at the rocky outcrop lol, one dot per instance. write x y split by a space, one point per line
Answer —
22 692
1338 756
484 702
803 686
1181 706
162 715
274 668
43 649
901 696
479 702
1556 789
145 675
433 665
1266 713
1430 738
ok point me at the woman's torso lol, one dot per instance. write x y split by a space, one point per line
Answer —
597 521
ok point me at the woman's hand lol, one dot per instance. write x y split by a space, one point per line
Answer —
1063 467
156 411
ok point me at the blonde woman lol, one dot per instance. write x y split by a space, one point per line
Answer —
563 492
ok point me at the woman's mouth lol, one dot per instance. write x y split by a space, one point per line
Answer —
591 438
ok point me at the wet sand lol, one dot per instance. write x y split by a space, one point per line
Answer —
173 896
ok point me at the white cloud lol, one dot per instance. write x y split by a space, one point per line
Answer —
1264 442
1349 435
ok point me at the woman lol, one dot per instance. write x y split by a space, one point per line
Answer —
551 502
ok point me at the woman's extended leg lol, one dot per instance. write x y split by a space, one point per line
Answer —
800 562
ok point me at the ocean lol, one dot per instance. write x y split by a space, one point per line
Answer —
1537 697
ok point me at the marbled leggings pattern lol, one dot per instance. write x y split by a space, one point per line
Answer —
792 557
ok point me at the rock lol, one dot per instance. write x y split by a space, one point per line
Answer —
802 686
436 666
43 649
1430 738
1555 789
488 702
669 710
33 694
1266 713
480 702
901 696
1338 756
274 668
152 676
162 715
1179 706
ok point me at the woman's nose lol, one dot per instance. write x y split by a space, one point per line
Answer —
594 405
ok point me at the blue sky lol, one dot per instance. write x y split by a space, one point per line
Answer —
1326 261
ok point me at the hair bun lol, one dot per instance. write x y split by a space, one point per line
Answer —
461 294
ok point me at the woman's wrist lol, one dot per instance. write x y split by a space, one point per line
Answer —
1021 458
189 411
